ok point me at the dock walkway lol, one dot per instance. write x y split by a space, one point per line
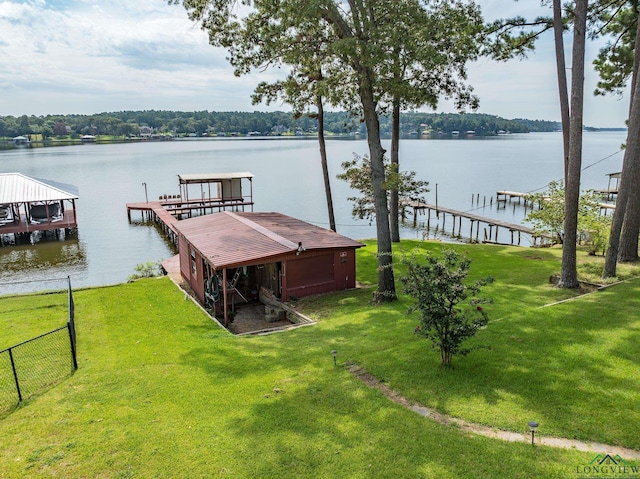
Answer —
22 225
167 212
505 195
156 212
493 224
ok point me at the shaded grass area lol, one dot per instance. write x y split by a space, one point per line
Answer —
573 367
161 391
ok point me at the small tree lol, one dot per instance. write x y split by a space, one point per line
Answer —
357 173
440 295
549 218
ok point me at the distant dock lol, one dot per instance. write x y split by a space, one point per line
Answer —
505 195
490 235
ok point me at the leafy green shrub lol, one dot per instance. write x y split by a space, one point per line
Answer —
439 294
146 270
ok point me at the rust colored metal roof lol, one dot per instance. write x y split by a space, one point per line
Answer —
233 239
18 188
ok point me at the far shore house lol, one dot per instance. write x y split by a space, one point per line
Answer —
243 255
31 204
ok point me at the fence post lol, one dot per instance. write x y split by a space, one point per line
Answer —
72 342
71 325
15 375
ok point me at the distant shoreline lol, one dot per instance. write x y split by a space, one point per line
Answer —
8 144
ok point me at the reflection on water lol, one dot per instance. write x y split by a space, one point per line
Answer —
43 260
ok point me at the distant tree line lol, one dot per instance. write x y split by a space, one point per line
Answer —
199 123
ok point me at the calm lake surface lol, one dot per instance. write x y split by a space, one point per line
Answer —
288 179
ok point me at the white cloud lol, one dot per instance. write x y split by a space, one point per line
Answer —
79 56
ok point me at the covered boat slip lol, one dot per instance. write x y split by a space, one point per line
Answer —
30 204
228 257
200 194
213 192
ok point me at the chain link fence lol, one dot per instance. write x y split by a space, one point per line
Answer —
38 363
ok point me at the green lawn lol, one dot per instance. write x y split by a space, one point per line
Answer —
161 391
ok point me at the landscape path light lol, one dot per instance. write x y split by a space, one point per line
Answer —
533 426
334 353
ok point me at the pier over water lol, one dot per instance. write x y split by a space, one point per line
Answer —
200 194
490 231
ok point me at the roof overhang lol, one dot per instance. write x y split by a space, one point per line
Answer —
18 188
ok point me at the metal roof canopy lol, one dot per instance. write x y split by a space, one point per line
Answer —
18 188
229 240
212 177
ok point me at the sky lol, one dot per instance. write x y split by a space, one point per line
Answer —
86 57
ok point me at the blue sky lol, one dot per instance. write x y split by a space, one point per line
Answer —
76 56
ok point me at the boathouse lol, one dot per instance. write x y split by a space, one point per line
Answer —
31 204
238 256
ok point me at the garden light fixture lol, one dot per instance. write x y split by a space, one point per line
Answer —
533 426
334 353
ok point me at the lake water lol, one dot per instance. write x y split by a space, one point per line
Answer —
288 179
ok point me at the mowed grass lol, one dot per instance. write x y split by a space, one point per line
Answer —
161 391
573 367
26 316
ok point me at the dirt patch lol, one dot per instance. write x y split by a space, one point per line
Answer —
251 318
583 286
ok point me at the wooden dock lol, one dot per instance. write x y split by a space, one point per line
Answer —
505 195
167 212
22 228
489 236
169 209
156 212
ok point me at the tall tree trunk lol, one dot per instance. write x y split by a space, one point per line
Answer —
631 223
628 246
386 283
394 210
323 160
628 179
569 273
364 73
562 82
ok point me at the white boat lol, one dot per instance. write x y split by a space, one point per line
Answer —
21 142
45 213
6 215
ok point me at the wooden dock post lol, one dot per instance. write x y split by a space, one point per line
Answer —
489 236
